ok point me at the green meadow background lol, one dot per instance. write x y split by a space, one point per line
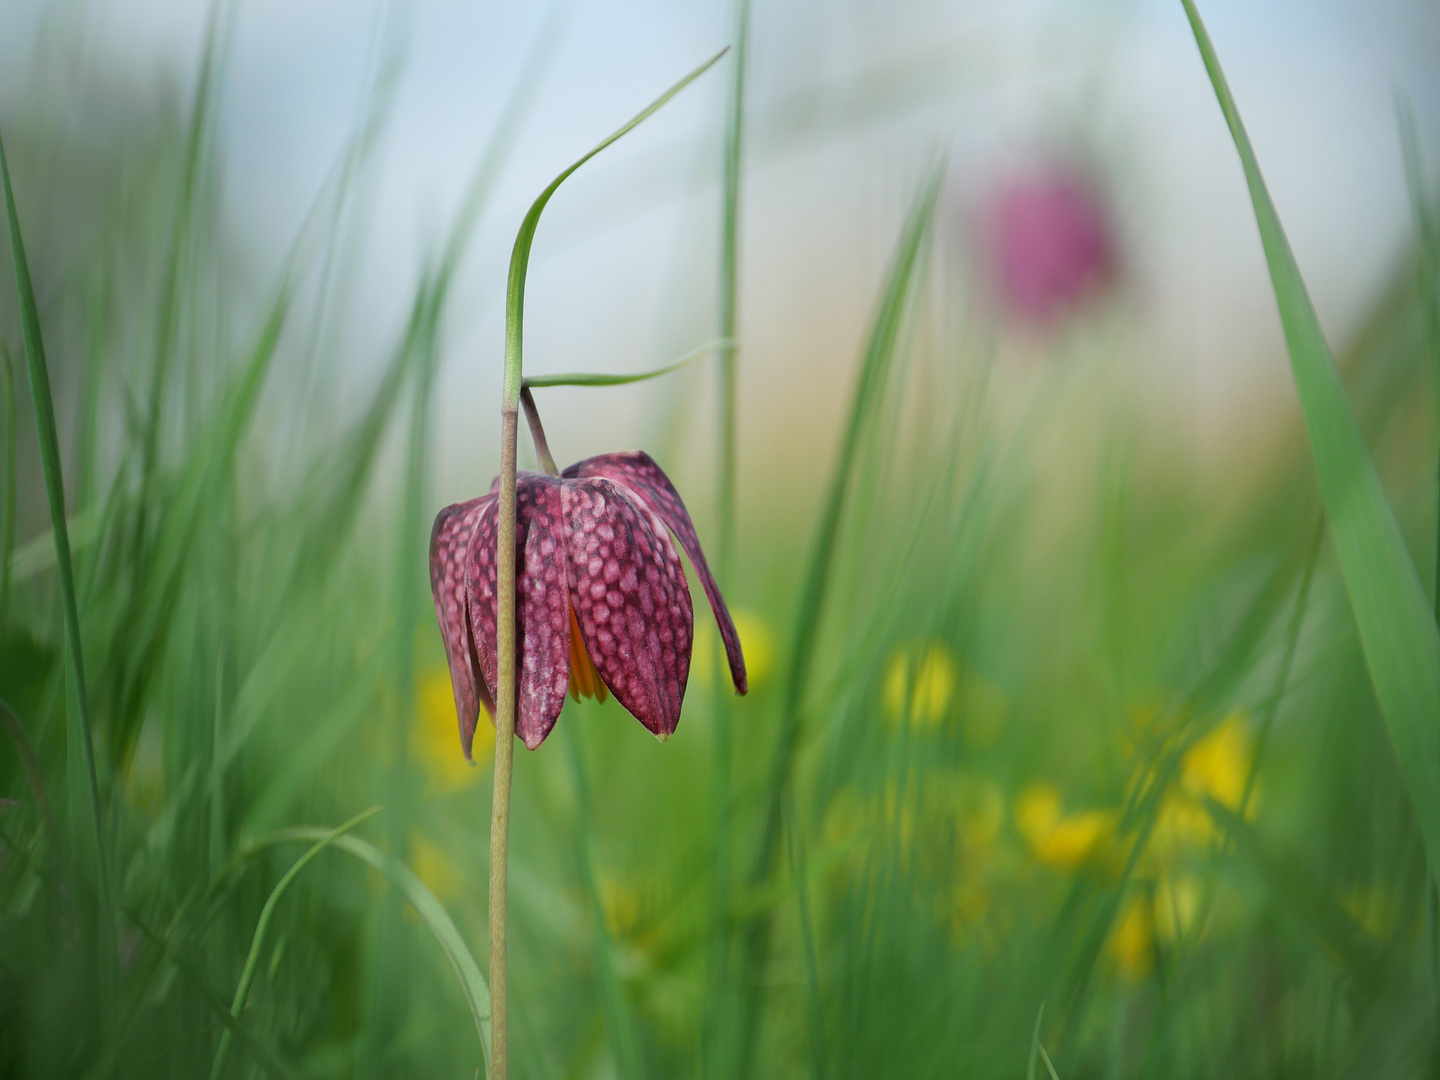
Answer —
1066 753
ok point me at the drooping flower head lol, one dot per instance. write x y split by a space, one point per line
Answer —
602 603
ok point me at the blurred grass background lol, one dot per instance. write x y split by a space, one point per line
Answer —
1087 724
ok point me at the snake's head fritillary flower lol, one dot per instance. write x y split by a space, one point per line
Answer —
1051 243
602 603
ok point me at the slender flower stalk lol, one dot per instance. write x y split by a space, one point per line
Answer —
505 633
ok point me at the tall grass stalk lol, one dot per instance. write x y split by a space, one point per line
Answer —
84 786
875 366
727 422
7 508
1396 621
1427 274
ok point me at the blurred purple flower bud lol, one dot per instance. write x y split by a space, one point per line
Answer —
1050 243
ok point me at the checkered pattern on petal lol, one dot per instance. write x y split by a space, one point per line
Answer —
542 613
636 471
449 550
630 598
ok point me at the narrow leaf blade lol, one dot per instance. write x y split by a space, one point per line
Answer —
1397 629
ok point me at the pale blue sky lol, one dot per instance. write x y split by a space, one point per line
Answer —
622 276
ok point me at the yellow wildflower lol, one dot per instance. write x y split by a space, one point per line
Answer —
919 684
1218 764
434 735
1062 841
757 642
1131 944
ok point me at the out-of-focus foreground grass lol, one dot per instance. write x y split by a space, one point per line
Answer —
1084 727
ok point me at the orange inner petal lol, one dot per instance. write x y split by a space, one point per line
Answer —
584 679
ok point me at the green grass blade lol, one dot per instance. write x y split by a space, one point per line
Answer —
588 379
1427 268
477 994
257 942
875 367
727 423
232 1025
85 796
7 530
729 288
180 229
1397 627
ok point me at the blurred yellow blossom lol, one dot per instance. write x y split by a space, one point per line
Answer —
757 642
1218 764
1131 945
1161 915
433 867
435 735
919 683
1059 840
1215 767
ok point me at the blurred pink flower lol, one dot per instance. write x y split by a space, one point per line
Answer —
1050 243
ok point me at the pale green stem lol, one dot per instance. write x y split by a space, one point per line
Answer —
537 433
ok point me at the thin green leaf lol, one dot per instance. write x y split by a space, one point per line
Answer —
587 379
874 370
1427 272
477 994
257 942
1303 897
7 530
84 795
525 238
233 1026
1397 627
1034 1043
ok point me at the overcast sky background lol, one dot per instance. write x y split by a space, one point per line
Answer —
849 100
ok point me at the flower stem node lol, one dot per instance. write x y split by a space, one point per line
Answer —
602 599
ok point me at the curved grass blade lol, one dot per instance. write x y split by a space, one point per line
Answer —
477 993
1427 267
525 238
85 796
33 776
1397 627
586 379
252 961
7 530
